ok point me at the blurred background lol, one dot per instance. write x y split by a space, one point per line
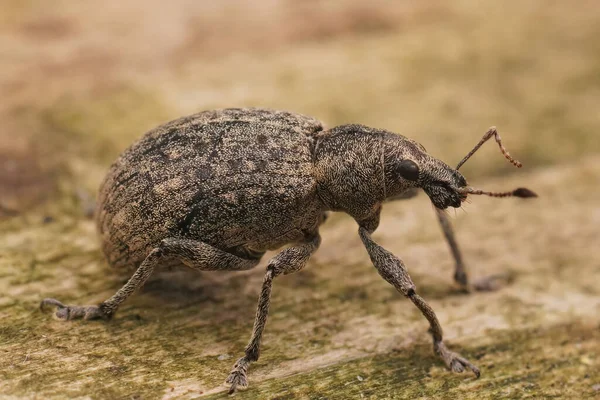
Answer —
81 80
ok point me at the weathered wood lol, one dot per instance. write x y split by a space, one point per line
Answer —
331 324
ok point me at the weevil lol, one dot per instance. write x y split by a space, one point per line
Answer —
215 190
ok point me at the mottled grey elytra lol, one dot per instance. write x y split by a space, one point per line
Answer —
217 189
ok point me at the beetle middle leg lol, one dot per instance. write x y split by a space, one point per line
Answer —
194 254
488 283
393 271
290 260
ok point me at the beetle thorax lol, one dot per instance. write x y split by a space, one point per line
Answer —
349 169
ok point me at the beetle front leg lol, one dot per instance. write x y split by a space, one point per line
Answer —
393 271
290 260
488 283
460 273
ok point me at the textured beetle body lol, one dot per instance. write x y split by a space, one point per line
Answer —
246 181
241 180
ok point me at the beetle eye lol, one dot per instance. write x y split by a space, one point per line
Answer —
408 169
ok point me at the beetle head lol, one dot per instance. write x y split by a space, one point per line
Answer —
409 165
439 181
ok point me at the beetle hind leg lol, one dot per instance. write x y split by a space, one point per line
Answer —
106 309
194 254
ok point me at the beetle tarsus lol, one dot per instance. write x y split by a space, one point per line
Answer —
67 313
237 377
454 361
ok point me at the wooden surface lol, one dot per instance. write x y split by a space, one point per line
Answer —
82 81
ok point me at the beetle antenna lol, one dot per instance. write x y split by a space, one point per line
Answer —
491 132
519 192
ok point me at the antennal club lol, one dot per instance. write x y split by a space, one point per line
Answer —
491 132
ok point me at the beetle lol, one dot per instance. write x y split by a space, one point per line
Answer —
217 189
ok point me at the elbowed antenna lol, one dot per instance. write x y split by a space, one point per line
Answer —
491 132
519 192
